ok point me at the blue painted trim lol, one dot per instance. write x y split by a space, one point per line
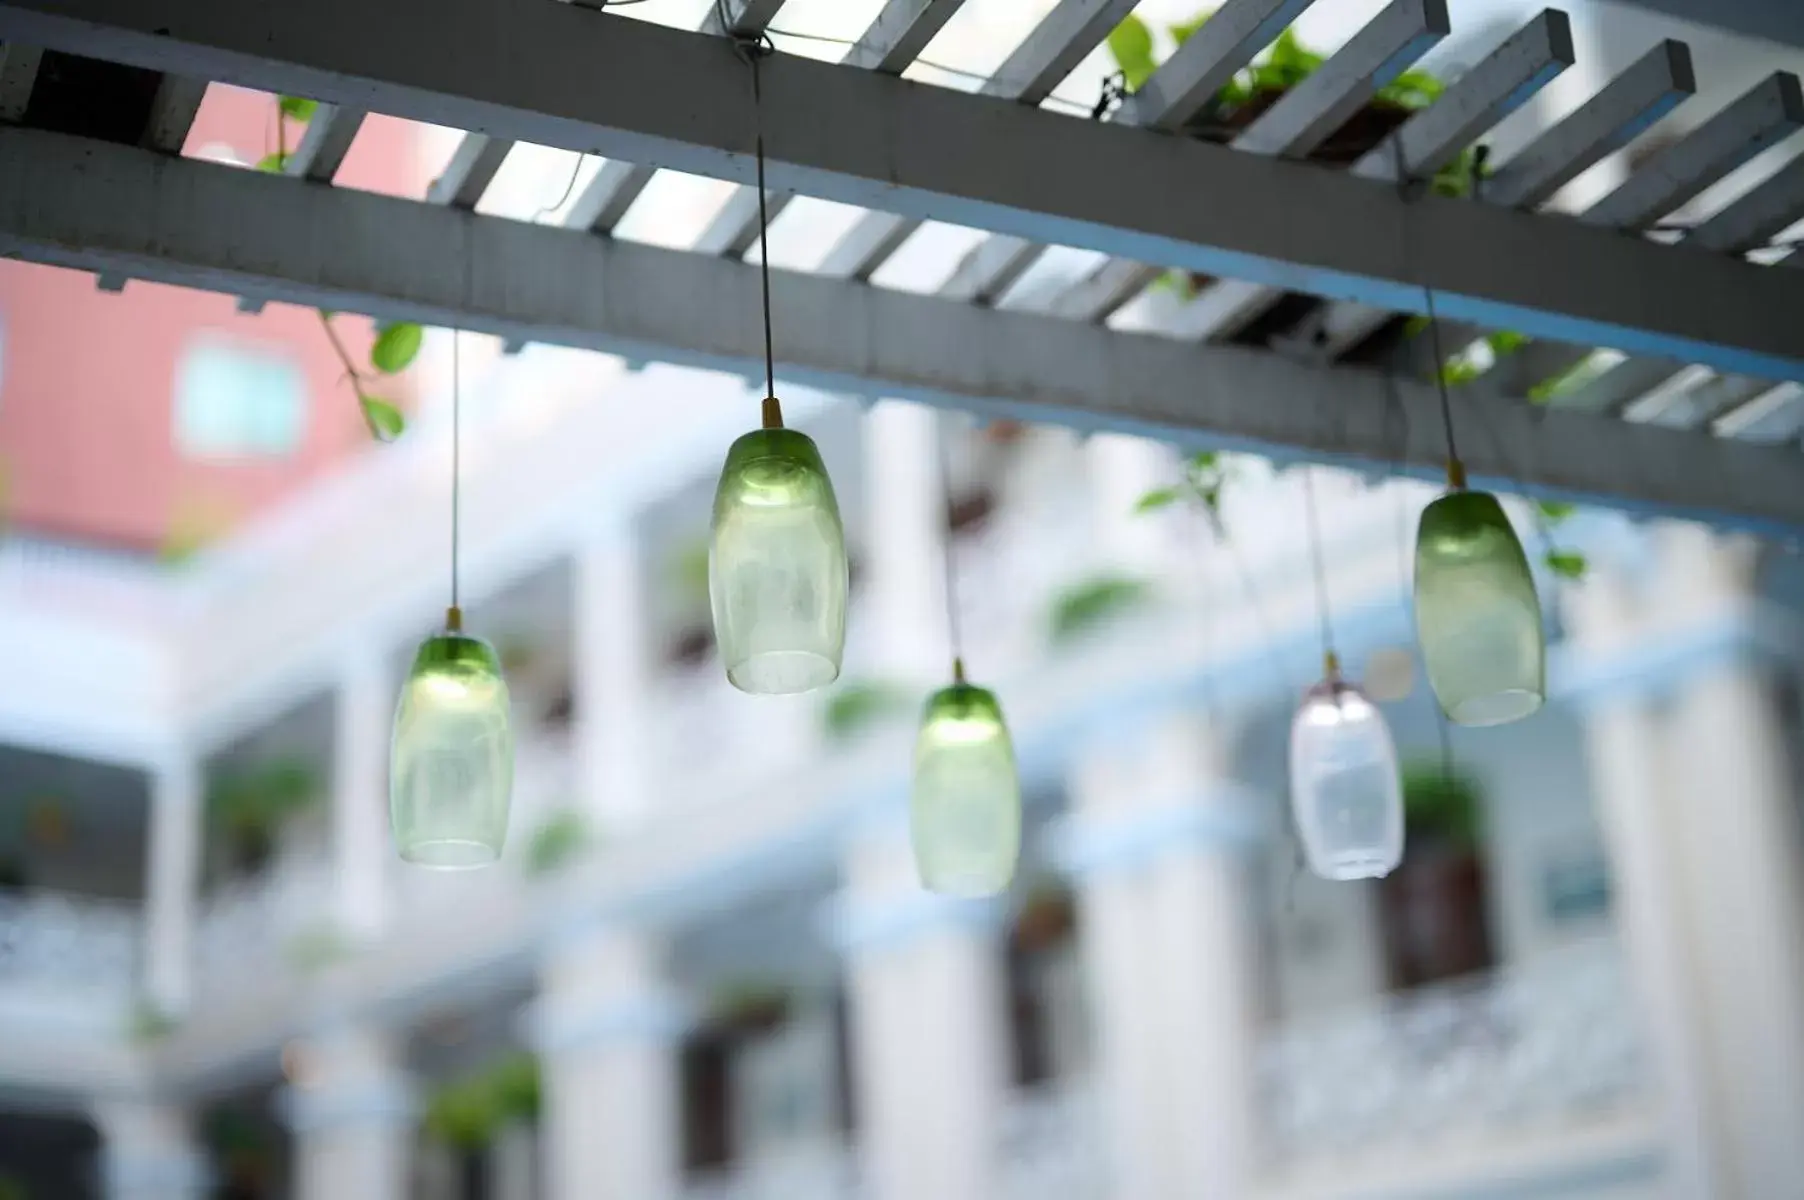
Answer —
1659 663
371 1102
553 1027
1086 846
865 926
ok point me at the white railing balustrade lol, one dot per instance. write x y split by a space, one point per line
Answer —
50 942
276 920
1052 1144
1539 1045
820 1173
708 737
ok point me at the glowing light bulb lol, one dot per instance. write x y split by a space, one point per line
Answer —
1344 788
1477 616
965 811
451 763
777 573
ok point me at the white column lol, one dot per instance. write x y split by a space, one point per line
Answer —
607 1030
1739 869
173 879
613 669
1157 845
1122 470
351 1108
1622 738
363 715
1692 782
148 1152
927 1004
905 542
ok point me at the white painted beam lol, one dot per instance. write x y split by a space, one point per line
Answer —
630 89
97 206
1038 65
892 42
1177 91
472 168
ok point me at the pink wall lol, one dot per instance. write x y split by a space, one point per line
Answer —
87 451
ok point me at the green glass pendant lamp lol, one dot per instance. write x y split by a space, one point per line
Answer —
1478 619
451 761
965 806
777 568
965 809
1346 795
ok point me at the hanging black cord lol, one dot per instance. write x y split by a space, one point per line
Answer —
1330 661
752 50
954 634
455 620
1456 470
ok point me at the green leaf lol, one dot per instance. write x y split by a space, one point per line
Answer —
397 344
386 422
1131 42
1158 498
1181 32
1506 341
297 108
1555 511
1414 326
1412 89
1459 371
1085 606
274 164
1567 564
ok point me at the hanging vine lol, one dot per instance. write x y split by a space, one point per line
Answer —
397 343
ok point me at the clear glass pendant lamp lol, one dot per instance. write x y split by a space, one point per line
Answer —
1345 792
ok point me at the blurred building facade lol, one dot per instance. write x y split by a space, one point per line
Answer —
704 969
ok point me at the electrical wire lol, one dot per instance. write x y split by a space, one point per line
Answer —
1320 570
954 632
456 458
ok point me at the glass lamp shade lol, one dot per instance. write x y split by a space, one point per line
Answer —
1344 788
1477 617
965 812
777 566
451 765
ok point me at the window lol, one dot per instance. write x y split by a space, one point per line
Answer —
236 399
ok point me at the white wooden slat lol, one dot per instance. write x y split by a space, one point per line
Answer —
1176 93
1028 75
1776 415
1771 111
895 38
1621 111
603 204
1496 86
18 74
1298 123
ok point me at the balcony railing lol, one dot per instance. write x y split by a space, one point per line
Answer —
1052 1144
1543 1045
57 944
820 1173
